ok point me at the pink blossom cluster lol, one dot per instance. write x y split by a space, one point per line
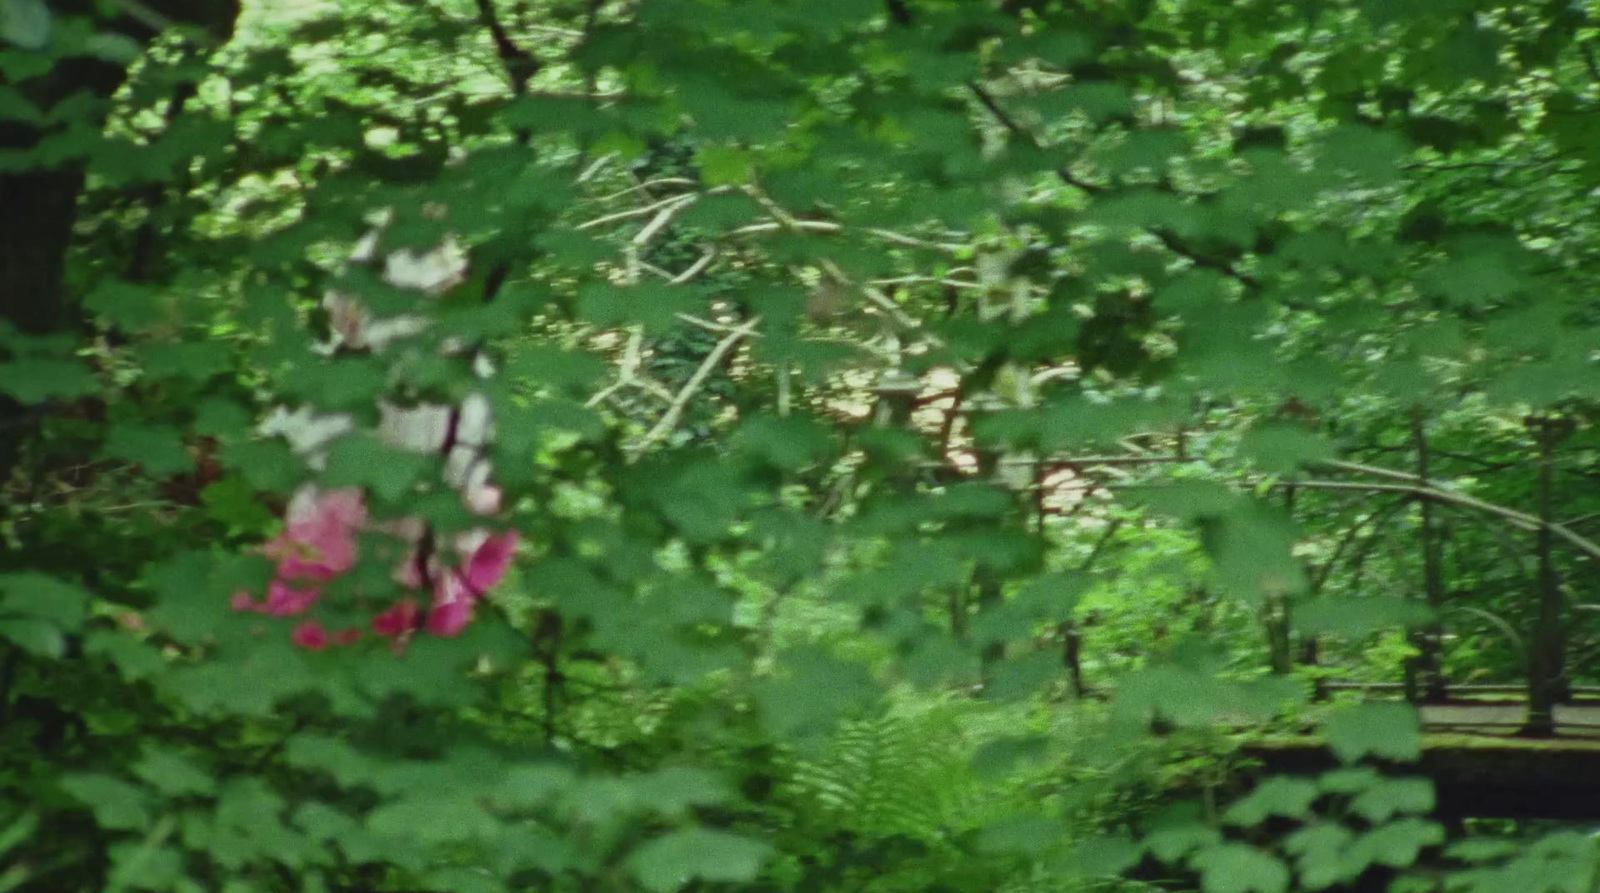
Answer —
319 544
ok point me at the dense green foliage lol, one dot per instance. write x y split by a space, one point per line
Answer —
939 434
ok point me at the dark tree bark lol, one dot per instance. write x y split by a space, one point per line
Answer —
41 204
1547 669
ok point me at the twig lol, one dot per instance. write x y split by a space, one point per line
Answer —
520 66
695 268
662 219
669 420
638 187
666 203
1520 519
595 167
830 228
710 326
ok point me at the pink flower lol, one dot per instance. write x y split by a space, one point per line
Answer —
452 607
489 563
310 635
396 621
286 601
320 543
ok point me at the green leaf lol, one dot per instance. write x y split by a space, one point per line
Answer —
787 443
18 831
1349 780
1278 796
362 460
1482 850
670 862
117 805
33 381
172 774
35 636
1280 448
1397 843
724 165
140 866
1320 849
1355 616
158 448
115 48
45 598
433 818
1394 795
1240 868
813 689
268 466
135 660
25 23
1170 841
654 305
1389 731
1028 832
1102 856
1364 153
232 501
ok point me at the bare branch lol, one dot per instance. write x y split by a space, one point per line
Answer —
1447 497
631 213
639 187
596 166
829 228
519 64
661 219
669 420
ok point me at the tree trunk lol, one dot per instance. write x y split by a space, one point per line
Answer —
41 205
1429 640
1546 648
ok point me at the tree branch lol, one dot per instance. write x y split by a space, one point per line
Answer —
669 420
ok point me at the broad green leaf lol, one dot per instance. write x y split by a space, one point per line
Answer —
40 637
158 449
1171 841
670 862
171 773
1389 731
32 380
1355 616
725 165
1349 780
1027 832
1281 448
141 866
117 805
1320 849
135 660
434 818
1280 796
19 830
25 23
1240 868
1394 795
234 502
813 689
362 460
1102 856
1397 843
45 598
